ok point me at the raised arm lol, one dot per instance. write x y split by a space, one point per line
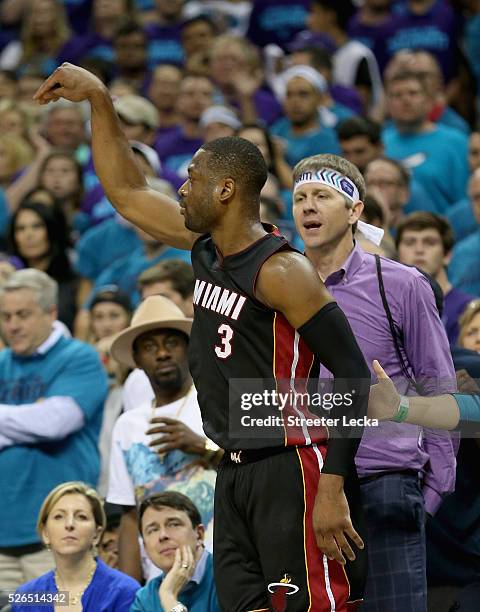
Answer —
115 165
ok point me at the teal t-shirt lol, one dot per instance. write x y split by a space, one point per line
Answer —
319 140
125 272
198 597
28 472
437 160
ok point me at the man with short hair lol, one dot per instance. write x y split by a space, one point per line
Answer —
52 394
172 278
160 444
436 154
401 193
327 204
173 534
176 147
261 311
425 240
360 140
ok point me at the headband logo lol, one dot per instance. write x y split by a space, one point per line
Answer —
306 176
347 187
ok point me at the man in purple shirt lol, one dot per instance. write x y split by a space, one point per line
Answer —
425 240
404 470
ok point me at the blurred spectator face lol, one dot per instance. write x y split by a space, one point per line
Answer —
60 177
474 151
360 151
424 249
131 51
197 37
196 94
119 88
71 528
474 194
65 128
12 122
108 318
319 19
135 131
109 9
408 103
164 531
470 334
257 137
385 177
164 87
30 235
43 17
108 549
27 86
24 324
226 61
169 10
8 86
301 101
167 289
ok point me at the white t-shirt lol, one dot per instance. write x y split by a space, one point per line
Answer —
137 470
136 390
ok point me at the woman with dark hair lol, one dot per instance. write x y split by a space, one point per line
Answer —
62 175
38 235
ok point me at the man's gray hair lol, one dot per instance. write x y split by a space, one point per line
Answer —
334 162
43 286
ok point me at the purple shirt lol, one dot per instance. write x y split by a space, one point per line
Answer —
435 31
399 446
175 150
373 37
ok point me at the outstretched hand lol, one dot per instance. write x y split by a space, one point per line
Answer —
70 82
384 398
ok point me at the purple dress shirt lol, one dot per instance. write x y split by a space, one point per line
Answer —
399 446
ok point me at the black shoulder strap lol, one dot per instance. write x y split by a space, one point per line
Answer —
396 335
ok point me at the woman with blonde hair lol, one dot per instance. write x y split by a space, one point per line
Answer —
469 322
71 523
45 31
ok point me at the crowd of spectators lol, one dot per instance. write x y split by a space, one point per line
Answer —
393 86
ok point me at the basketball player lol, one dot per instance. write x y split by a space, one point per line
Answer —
283 528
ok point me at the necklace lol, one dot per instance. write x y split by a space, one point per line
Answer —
176 415
75 598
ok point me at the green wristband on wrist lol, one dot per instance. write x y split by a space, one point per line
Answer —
402 411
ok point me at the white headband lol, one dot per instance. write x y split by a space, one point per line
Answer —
342 184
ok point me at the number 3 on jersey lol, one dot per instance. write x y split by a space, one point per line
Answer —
226 334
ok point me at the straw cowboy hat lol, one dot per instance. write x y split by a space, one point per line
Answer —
155 312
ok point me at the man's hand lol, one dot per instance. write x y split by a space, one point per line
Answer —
331 520
175 435
70 82
180 573
384 399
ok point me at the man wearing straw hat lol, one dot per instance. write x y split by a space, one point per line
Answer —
283 526
159 445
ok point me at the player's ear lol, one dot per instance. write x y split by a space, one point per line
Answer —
226 190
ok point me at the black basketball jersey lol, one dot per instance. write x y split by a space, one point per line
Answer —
238 347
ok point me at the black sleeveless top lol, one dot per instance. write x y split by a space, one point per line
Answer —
238 347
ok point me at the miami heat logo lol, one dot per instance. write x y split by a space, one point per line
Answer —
279 591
